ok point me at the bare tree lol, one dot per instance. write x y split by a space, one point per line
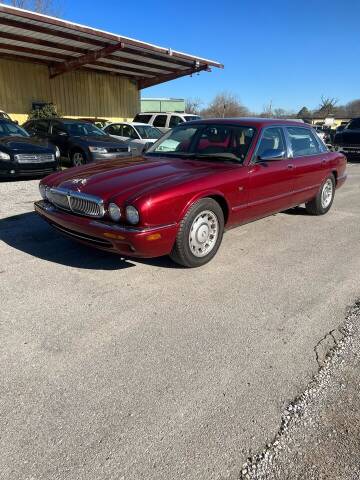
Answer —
47 7
225 104
327 105
192 105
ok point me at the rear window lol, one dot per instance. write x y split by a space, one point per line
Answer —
142 118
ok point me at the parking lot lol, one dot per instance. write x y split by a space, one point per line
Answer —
127 369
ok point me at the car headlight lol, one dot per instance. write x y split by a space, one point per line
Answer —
42 190
132 215
4 156
98 149
114 212
57 152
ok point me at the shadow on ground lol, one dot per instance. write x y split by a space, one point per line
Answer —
30 234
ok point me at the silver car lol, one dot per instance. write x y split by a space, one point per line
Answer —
138 136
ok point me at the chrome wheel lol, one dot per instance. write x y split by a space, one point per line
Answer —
203 234
78 159
327 193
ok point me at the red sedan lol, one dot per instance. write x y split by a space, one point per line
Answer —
197 180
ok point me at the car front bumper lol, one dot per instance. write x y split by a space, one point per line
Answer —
14 169
124 240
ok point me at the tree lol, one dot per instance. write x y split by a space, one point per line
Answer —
47 7
303 113
327 106
353 108
225 104
192 105
46 111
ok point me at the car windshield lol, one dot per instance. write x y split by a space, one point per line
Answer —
206 141
79 129
11 129
147 131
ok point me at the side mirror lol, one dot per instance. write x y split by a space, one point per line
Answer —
272 155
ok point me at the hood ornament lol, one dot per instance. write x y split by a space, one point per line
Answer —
79 182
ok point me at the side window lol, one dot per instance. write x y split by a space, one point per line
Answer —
272 143
303 142
58 128
160 121
141 118
354 124
41 127
115 129
129 132
175 120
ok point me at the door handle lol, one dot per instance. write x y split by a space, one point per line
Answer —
290 166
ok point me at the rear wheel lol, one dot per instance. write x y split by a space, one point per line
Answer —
199 235
321 204
78 158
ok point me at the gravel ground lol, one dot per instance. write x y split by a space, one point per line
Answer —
319 436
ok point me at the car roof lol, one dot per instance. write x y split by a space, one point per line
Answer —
67 120
169 113
256 122
134 124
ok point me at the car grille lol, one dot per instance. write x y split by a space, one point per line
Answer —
76 202
34 157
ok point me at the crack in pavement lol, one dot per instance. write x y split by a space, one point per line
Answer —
330 351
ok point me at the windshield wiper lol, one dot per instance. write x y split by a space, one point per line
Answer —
228 157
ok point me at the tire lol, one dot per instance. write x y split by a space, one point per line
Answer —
200 234
78 158
321 204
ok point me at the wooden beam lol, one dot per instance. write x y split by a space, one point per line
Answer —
88 58
150 82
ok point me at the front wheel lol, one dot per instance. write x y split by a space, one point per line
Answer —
78 158
199 235
321 204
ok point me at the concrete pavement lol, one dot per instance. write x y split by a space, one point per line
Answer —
117 369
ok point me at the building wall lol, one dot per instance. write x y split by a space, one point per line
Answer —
162 105
76 94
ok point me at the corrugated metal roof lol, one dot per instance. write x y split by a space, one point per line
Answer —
65 46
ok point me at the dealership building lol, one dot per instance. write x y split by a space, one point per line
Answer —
83 71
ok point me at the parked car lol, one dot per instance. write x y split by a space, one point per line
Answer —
320 132
348 140
139 136
194 182
165 121
80 142
21 155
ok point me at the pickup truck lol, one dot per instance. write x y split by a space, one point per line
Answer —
348 140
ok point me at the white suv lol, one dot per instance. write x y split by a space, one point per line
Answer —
165 121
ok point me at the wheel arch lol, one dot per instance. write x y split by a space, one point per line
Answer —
215 195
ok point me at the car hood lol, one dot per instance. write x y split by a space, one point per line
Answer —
25 144
131 178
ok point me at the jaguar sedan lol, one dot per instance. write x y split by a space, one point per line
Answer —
196 181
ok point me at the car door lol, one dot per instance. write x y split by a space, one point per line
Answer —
309 156
59 136
271 175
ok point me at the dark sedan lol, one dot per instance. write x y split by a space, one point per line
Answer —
81 142
21 155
